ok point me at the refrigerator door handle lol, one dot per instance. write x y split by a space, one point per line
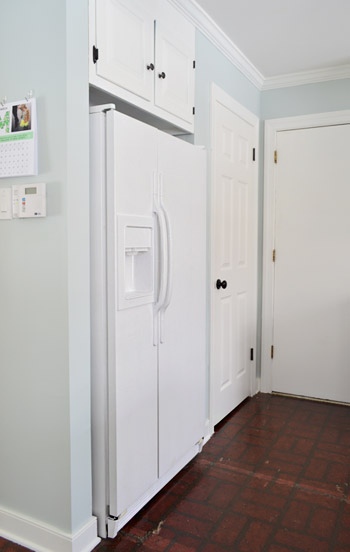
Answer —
169 287
163 265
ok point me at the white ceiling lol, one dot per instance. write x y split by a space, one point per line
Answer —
286 36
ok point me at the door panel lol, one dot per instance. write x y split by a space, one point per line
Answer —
182 351
125 38
312 269
233 324
174 58
132 357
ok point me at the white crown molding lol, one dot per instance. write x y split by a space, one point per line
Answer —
307 77
44 538
198 17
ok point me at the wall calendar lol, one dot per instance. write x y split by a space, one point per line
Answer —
18 139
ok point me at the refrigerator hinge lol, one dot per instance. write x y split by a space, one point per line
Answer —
112 523
111 527
115 518
94 54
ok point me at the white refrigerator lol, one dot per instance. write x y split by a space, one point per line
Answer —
148 311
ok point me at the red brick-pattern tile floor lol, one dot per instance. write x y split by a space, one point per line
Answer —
274 478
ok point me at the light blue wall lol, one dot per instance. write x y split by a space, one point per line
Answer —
213 66
303 100
44 298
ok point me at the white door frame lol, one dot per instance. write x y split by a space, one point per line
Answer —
220 96
272 127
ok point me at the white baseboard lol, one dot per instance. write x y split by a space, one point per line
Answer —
45 538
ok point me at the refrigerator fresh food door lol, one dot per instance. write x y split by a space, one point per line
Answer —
182 366
132 356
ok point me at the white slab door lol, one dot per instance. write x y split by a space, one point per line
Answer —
132 357
233 281
312 268
182 347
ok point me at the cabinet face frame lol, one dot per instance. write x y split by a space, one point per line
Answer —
144 107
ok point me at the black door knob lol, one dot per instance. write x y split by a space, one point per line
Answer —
162 75
221 284
150 67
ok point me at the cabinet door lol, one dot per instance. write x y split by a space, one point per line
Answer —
174 78
125 39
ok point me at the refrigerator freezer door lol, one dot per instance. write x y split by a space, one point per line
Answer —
182 365
132 357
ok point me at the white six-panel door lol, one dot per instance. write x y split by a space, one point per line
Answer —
233 318
312 268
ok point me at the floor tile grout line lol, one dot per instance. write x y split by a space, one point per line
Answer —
312 450
285 482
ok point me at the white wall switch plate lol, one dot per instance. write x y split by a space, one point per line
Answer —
5 203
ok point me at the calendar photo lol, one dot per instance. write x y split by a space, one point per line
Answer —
21 117
18 139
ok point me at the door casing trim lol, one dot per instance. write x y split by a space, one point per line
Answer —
272 127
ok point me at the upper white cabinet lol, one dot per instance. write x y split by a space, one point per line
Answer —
174 55
124 38
143 52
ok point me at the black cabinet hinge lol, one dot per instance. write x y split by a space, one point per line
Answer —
194 64
94 54
251 354
253 154
193 110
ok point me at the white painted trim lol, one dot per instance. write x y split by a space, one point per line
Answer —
204 23
272 127
45 538
220 96
307 77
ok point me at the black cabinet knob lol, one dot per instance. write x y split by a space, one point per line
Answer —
162 75
150 67
221 284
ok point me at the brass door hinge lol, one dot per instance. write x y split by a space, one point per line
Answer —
274 256
272 351
275 156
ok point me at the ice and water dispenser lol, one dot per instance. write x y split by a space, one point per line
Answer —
136 261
